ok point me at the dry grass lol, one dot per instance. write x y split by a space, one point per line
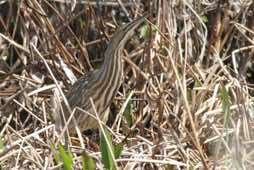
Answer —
186 101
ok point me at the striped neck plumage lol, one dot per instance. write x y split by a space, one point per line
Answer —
114 50
110 73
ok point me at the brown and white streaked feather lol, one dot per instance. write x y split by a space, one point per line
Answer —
100 85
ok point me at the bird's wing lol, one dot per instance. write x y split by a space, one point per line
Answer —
78 92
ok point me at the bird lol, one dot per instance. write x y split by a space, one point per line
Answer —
100 85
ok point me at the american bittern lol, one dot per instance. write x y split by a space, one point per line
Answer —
101 85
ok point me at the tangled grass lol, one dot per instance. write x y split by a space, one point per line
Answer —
186 101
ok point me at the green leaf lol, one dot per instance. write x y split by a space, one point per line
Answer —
225 102
198 83
66 158
145 31
118 150
189 95
56 156
204 19
169 167
127 114
87 162
106 148
1 143
190 167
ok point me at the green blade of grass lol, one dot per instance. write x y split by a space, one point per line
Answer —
127 114
87 162
66 158
1 144
56 156
118 150
105 147
225 102
145 32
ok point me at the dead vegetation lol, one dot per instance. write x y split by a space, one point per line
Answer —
186 101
